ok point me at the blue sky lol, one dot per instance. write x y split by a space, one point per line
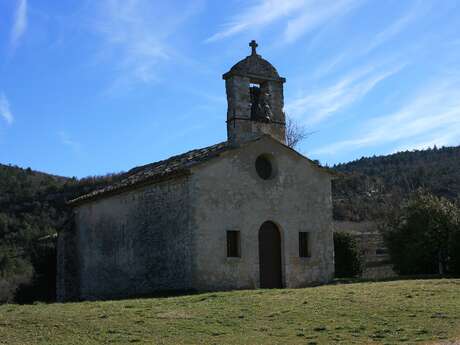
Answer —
91 87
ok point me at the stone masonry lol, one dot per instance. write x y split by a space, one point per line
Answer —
165 225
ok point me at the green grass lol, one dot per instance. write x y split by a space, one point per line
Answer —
413 311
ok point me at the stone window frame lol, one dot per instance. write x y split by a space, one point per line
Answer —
304 240
235 252
272 163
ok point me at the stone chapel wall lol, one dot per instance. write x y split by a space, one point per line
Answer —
135 243
227 195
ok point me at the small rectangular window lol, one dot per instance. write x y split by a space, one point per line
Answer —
381 251
233 244
304 250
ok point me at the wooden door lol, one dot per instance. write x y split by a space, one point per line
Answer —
270 256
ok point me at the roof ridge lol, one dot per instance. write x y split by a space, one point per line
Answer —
135 169
174 165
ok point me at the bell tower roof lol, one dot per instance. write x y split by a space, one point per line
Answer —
254 67
254 99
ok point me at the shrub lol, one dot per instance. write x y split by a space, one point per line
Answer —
42 286
13 273
348 258
423 237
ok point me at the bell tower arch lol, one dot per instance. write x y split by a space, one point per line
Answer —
255 99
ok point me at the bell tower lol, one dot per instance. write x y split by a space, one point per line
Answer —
255 99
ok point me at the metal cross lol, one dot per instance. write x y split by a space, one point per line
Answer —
253 44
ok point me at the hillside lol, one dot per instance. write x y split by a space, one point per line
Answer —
32 210
402 312
370 185
33 207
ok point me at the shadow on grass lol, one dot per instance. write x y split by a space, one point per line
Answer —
338 281
178 293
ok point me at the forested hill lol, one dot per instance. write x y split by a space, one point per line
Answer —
33 204
33 207
32 210
372 184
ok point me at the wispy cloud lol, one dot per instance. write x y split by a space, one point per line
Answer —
69 142
434 112
137 33
315 13
314 106
328 66
437 138
395 28
20 23
5 111
302 16
392 31
257 16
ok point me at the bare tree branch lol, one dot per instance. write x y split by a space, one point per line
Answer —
295 133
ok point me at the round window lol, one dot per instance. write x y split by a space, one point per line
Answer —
264 167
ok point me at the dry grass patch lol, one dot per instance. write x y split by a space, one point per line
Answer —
408 312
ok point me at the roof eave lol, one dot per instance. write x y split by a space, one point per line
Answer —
103 194
230 74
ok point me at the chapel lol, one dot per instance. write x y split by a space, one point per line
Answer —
249 212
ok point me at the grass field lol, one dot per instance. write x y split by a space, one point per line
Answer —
413 311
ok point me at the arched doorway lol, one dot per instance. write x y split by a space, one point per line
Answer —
270 256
